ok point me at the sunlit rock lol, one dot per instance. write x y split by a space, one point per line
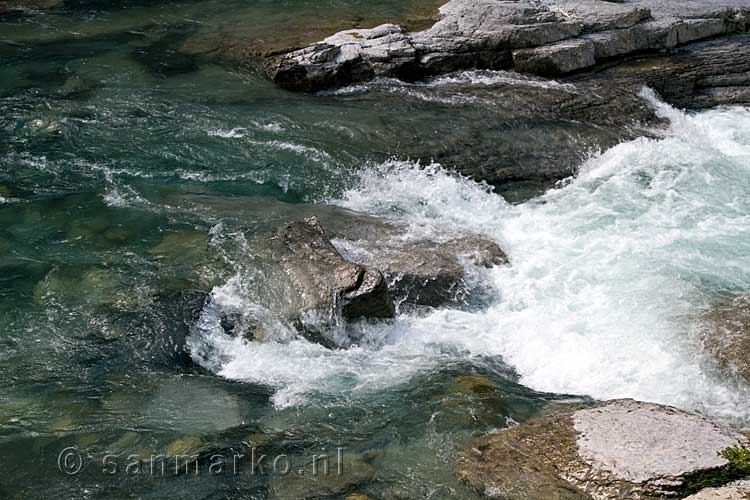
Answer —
421 270
739 490
618 449
554 37
320 284
185 446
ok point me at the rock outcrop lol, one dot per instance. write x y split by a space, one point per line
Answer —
548 37
372 263
426 272
322 282
726 335
694 54
618 449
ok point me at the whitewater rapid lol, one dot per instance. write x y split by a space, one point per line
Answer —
610 272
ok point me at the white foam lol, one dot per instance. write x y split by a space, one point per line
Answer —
443 89
273 127
235 133
608 274
420 91
494 78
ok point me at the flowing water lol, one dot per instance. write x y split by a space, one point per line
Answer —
134 179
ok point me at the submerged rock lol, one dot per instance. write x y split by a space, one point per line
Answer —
158 332
618 449
316 480
727 335
470 402
188 445
321 282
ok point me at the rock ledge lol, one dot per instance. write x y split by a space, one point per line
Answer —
619 449
547 37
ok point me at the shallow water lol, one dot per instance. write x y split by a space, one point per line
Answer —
134 178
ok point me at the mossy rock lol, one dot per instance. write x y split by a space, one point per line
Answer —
257 439
183 247
87 440
75 86
79 231
357 496
185 446
90 230
188 262
130 443
616 449
31 216
476 384
93 286
471 401
63 424
118 235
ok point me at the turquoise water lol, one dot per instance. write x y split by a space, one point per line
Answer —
135 175
129 173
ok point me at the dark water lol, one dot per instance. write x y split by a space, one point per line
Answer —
123 154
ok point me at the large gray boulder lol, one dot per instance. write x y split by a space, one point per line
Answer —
547 37
321 284
618 449
430 271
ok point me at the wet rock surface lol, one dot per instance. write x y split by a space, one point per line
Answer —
618 449
420 271
363 267
158 332
321 281
726 335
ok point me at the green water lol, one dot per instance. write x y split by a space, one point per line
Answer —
122 149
